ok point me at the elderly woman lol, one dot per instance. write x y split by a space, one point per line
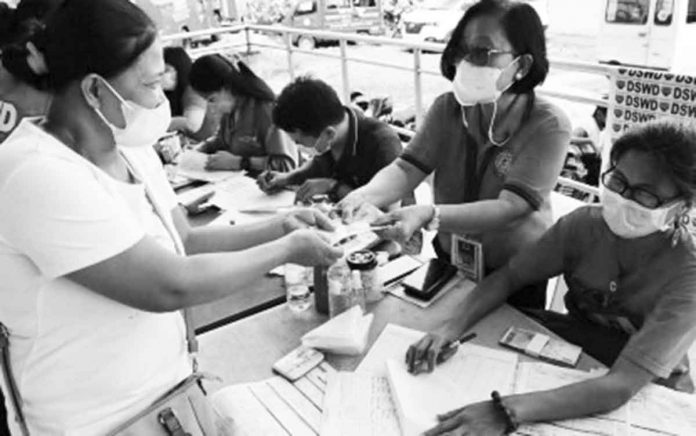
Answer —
247 138
494 147
94 263
630 266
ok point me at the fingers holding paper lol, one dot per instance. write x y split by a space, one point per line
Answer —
480 419
404 222
309 248
307 218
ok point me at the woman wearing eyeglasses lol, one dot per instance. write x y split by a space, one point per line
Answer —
494 147
630 267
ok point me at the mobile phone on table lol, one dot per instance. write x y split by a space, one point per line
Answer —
429 279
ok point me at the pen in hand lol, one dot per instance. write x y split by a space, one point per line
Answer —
448 350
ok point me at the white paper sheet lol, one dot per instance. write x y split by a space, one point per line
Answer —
467 377
358 404
241 193
392 343
654 410
192 165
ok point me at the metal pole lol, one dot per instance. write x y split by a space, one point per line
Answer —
288 47
247 36
344 71
417 84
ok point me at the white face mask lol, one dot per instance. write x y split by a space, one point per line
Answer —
144 126
473 84
628 219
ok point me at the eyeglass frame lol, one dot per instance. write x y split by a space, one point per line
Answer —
464 53
628 188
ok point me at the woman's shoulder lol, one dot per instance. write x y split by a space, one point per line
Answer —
547 114
33 150
585 222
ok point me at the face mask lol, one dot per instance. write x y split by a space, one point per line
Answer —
476 85
473 84
321 147
628 219
144 126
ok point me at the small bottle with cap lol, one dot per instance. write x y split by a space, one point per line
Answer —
365 263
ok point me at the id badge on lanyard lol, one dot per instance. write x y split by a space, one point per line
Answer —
467 256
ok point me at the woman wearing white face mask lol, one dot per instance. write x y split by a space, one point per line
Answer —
93 265
630 266
495 148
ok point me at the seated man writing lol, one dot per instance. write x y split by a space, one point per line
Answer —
348 148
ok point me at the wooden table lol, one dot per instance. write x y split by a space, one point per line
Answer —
267 292
245 350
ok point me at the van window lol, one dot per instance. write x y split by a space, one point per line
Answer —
691 12
306 7
627 11
365 3
338 4
663 12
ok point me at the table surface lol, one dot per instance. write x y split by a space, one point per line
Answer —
245 350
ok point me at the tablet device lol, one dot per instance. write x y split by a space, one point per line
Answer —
429 279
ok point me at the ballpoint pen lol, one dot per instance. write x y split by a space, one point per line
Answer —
450 348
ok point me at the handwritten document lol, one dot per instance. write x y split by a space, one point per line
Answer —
467 377
655 410
358 405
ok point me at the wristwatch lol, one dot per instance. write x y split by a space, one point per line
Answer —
434 223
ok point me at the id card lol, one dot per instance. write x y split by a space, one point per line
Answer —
467 256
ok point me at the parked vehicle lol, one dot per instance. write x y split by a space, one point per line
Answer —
649 33
433 20
361 16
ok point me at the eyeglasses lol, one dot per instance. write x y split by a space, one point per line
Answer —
480 56
617 183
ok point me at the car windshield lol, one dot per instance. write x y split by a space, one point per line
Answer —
441 4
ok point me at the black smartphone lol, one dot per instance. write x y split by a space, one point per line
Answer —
429 279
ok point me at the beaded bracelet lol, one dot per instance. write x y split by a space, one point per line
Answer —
511 424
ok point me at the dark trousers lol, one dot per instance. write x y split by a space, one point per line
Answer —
529 297
602 343
4 430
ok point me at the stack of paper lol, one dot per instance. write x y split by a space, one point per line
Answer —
343 334
468 377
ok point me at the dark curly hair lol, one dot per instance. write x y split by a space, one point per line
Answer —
671 146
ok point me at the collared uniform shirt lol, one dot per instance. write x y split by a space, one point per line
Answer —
371 145
528 165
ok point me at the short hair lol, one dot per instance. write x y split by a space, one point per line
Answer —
95 36
523 29
670 144
212 73
308 105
